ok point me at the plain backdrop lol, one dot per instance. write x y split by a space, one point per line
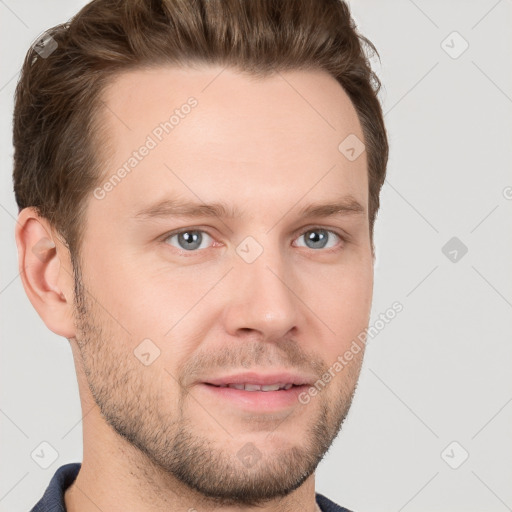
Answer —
430 426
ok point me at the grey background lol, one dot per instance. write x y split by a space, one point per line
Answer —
440 371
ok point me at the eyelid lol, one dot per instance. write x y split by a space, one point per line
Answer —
169 234
343 239
343 235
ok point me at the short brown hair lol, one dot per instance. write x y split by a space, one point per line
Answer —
58 96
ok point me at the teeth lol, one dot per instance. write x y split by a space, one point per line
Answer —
256 387
270 387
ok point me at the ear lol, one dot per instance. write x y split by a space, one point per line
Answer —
45 268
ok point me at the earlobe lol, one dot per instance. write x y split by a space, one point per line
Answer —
46 272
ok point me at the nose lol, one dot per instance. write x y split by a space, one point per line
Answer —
263 297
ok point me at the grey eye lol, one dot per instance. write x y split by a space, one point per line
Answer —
319 238
189 240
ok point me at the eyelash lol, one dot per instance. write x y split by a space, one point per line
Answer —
344 238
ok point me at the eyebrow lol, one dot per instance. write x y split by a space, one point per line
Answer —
346 205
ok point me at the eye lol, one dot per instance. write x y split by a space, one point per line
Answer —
189 240
319 238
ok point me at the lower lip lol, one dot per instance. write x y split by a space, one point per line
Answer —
263 401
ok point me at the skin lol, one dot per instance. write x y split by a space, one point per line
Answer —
153 439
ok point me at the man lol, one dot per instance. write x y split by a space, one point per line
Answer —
249 131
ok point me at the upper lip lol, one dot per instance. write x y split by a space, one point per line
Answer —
262 379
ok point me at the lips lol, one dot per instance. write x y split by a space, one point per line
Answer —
256 387
252 381
255 393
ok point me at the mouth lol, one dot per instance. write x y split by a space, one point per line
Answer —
256 387
257 394
258 381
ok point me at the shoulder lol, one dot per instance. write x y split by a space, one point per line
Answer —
329 506
53 498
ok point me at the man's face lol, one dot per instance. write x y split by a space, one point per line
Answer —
264 292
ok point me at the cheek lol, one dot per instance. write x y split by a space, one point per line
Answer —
117 288
156 302
344 304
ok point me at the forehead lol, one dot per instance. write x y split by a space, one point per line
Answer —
215 133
